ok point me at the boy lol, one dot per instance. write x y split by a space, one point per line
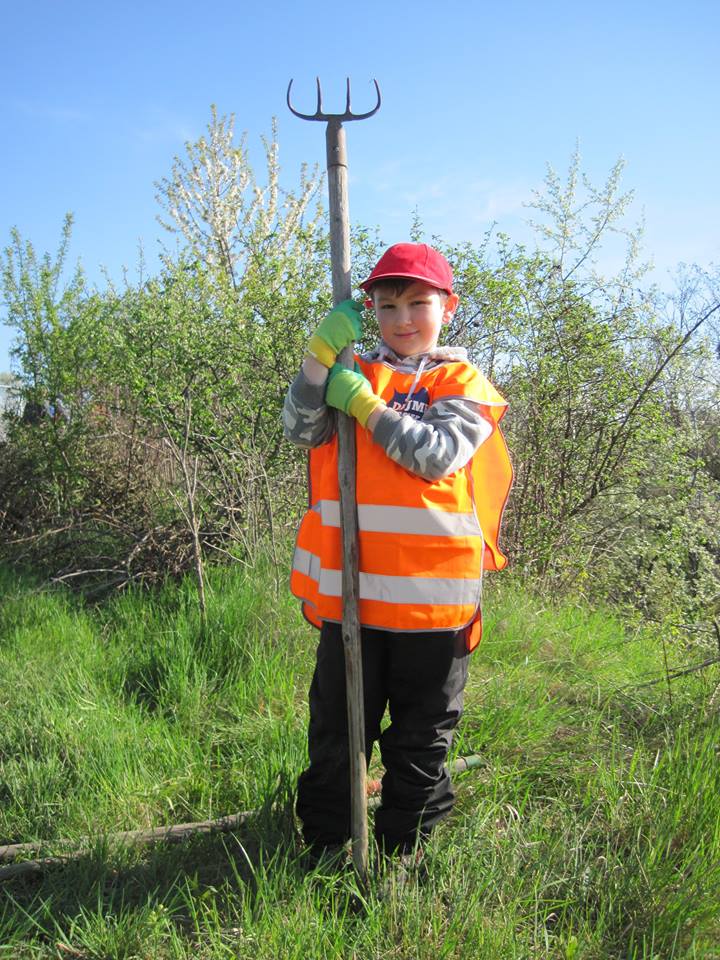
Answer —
433 475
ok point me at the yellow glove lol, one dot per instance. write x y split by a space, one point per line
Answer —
339 328
350 391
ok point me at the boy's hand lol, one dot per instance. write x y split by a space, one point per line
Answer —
350 391
339 328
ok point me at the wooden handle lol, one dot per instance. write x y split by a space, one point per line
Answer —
342 290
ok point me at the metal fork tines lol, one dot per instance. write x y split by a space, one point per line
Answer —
341 117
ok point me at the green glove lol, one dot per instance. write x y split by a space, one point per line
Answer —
339 328
350 391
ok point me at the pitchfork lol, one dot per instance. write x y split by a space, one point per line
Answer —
341 288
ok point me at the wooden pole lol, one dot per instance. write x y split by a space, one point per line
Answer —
342 290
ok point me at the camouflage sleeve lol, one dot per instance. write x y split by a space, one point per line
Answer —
442 442
307 421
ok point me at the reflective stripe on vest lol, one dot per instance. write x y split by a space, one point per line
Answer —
306 563
391 589
418 520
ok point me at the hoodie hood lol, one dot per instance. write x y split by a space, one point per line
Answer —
382 353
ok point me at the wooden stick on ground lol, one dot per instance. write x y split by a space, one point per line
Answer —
174 833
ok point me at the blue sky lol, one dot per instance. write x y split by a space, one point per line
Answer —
478 97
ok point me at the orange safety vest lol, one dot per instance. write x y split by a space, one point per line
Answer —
423 545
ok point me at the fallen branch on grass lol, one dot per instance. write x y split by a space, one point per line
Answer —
174 832
170 834
677 673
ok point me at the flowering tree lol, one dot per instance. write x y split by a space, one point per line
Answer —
228 219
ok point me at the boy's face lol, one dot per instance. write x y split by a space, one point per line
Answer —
410 322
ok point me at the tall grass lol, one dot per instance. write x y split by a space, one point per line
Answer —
592 830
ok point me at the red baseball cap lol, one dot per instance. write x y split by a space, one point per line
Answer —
415 261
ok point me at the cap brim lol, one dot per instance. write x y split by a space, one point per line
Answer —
403 276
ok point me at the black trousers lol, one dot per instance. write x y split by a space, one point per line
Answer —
421 678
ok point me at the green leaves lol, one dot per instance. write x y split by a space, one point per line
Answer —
608 384
176 384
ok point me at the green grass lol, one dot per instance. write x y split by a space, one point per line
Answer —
592 830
